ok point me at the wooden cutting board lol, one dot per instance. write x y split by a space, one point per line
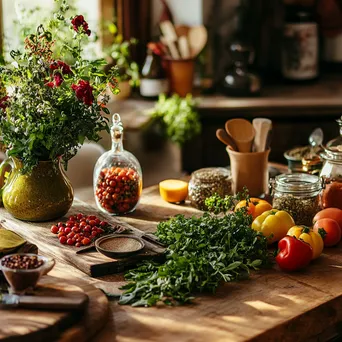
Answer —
92 263
41 325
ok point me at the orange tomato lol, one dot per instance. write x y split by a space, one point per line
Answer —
256 206
332 229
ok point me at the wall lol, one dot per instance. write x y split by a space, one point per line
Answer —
187 12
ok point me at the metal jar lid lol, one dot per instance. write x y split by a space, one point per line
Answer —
297 183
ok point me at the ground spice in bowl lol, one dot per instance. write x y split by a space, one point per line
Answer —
119 246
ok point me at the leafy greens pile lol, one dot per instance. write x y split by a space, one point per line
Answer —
202 252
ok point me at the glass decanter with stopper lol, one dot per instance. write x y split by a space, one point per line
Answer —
332 172
117 176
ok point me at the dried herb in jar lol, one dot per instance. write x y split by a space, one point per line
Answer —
207 182
299 195
302 209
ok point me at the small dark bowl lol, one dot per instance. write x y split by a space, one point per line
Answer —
295 155
121 252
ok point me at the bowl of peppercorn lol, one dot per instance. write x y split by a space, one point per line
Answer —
23 270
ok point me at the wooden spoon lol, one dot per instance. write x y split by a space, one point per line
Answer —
222 135
198 37
182 30
242 132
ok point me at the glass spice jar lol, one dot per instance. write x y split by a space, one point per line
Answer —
117 176
206 182
299 195
331 173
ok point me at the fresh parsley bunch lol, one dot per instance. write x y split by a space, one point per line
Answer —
202 253
50 107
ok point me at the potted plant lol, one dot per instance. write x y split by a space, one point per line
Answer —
174 118
119 54
47 112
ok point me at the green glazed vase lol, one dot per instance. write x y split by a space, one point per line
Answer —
43 194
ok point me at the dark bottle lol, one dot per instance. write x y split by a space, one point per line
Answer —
300 44
153 77
238 80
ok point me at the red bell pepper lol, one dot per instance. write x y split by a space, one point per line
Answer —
293 254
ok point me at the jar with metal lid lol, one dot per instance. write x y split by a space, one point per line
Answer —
299 195
206 182
332 172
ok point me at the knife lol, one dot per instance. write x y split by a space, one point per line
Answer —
10 301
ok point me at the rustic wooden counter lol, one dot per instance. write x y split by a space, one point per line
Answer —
271 306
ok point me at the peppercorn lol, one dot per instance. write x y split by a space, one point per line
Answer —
22 262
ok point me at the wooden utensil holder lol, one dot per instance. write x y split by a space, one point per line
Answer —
249 169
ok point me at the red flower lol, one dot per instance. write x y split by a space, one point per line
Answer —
57 77
3 102
61 66
78 22
50 84
84 91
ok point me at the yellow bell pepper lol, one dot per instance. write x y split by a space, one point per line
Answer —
306 234
274 224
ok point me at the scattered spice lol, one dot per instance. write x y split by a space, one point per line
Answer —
206 182
120 244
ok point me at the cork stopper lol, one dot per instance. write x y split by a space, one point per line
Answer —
117 128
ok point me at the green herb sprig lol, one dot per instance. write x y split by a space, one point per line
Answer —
202 253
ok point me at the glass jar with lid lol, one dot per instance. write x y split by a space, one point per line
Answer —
206 182
299 195
117 176
332 172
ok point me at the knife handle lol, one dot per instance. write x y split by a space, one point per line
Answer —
53 303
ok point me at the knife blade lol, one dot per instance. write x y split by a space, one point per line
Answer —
43 302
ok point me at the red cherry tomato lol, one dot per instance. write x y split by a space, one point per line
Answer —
54 229
86 241
61 234
63 239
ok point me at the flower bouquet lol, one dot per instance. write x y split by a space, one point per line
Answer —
48 108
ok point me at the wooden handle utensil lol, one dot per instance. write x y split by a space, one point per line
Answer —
222 135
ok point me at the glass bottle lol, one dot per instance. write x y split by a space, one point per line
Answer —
153 77
206 182
300 44
332 172
298 194
117 176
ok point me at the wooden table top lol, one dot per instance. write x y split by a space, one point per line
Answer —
271 306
